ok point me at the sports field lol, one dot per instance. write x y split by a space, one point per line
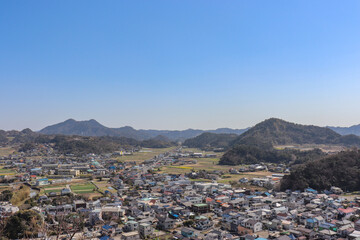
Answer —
83 188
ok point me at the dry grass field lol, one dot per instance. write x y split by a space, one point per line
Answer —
20 195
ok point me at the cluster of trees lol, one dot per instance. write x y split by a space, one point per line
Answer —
23 224
3 138
340 170
157 142
27 147
6 196
210 140
251 154
80 145
84 145
29 224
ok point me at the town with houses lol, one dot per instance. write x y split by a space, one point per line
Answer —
179 120
102 197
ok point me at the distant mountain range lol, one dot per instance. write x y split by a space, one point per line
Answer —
242 146
94 128
269 130
355 129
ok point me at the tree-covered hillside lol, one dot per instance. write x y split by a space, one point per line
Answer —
257 144
210 140
279 132
250 154
340 170
27 140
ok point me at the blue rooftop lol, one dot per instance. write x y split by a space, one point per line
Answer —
310 220
310 190
106 227
327 225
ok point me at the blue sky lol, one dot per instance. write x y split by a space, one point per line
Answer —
179 64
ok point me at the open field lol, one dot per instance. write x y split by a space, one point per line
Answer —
147 153
5 151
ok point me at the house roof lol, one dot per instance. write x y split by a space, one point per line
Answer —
346 210
327 232
187 230
283 238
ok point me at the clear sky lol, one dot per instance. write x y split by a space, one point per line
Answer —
176 64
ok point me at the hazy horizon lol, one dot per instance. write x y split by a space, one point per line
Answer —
115 126
175 65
